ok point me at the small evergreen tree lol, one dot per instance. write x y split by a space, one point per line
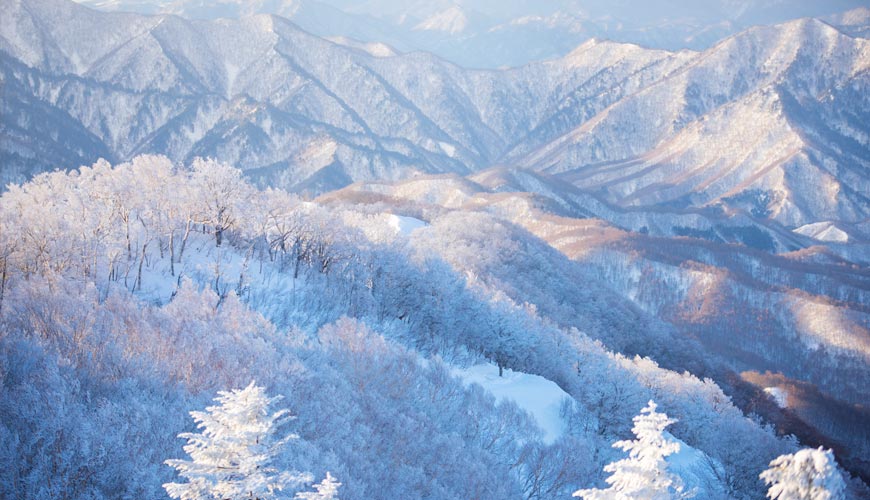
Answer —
644 474
326 490
231 457
806 475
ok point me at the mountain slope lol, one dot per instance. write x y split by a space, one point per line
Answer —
356 315
757 123
716 310
747 130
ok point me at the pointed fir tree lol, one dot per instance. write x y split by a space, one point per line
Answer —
230 458
325 490
806 475
644 474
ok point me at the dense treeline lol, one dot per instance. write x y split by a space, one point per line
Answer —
131 294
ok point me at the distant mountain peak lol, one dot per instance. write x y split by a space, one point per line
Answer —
741 126
452 20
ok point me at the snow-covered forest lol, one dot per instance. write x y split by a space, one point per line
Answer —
441 249
127 305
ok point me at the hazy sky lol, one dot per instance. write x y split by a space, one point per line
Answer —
636 11
496 33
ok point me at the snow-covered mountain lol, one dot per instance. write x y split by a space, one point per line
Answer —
488 34
771 121
766 130
488 272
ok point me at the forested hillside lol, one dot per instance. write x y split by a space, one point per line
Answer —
242 260
125 306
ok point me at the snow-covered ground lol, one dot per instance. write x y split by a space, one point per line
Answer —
384 227
222 269
698 471
534 394
824 231
404 225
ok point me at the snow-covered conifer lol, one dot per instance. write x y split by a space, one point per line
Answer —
644 474
231 457
809 474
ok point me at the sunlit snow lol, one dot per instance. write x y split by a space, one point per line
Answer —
779 396
824 231
404 225
452 20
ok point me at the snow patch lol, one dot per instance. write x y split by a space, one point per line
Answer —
76 60
824 231
449 149
404 225
540 397
375 49
779 396
379 49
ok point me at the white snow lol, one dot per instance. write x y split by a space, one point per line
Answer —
202 262
534 394
779 395
696 469
452 20
449 149
824 231
404 225
379 49
375 49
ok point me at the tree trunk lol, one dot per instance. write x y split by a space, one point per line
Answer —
3 284
172 252
129 248
138 286
187 229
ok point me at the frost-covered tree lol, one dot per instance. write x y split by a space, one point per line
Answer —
644 474
231 457
220 188
809 474
325 490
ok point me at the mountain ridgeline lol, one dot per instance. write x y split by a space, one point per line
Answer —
507 33
772 122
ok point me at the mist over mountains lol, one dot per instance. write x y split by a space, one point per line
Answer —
487 34
680 215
